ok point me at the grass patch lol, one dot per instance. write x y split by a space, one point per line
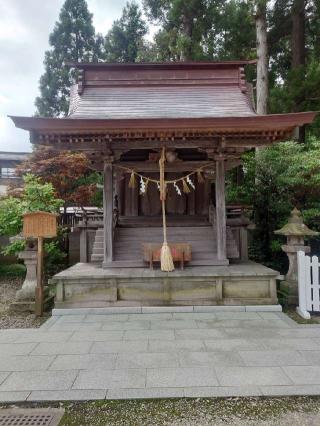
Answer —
15 270
184 411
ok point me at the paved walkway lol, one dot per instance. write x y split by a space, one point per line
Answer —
76 357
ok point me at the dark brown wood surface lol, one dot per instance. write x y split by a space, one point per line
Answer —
108 212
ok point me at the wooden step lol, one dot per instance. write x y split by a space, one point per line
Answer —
128 242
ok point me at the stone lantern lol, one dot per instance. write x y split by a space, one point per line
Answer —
25 297
295 231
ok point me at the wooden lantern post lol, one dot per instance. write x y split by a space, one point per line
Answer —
39 225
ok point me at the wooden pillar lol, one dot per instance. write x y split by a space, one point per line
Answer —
108 212
221 210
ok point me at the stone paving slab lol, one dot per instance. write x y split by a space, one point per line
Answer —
147 360
104 318
311 357
149 334
111 379
126 325
39 335
67 395
3 376
39 380
14 396
176 345
25 363
96 336
8 349
250 333
66 348
213 359
290 390
181 377
299 333
84 362
132 347
199 334
233 344
10 336
145 393
273 358
303 375
210 353
222 391
292 344
239 376
76 326
173 324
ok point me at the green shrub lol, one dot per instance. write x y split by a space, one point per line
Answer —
275 180
12 271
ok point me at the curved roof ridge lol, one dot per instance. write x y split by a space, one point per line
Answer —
180 64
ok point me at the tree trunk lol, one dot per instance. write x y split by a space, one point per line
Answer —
298 34
187 28
262 56
298 49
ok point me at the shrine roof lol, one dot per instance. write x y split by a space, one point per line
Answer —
160 102
211 98
161 90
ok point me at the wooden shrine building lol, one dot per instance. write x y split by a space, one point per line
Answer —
121 116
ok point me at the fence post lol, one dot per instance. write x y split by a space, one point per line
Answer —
302 308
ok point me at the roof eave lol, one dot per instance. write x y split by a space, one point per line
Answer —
256 122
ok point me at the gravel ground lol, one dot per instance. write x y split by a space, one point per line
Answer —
290 411
9 319
193 412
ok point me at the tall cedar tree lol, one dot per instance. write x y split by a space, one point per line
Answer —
202 29
125 41
294 51
226 38
73 40
183 25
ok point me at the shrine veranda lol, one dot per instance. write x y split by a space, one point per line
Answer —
121 116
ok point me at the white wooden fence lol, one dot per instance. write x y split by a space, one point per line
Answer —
308 282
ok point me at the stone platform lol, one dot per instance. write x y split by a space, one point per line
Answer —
89 285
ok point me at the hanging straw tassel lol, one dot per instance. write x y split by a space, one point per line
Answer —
166 260
146 183
165 255
200 177
132 181
185 187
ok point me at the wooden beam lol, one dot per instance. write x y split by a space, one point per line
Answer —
108 212
91 145
144 167
221 222
177 166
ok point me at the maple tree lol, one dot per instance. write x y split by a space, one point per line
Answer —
68 172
